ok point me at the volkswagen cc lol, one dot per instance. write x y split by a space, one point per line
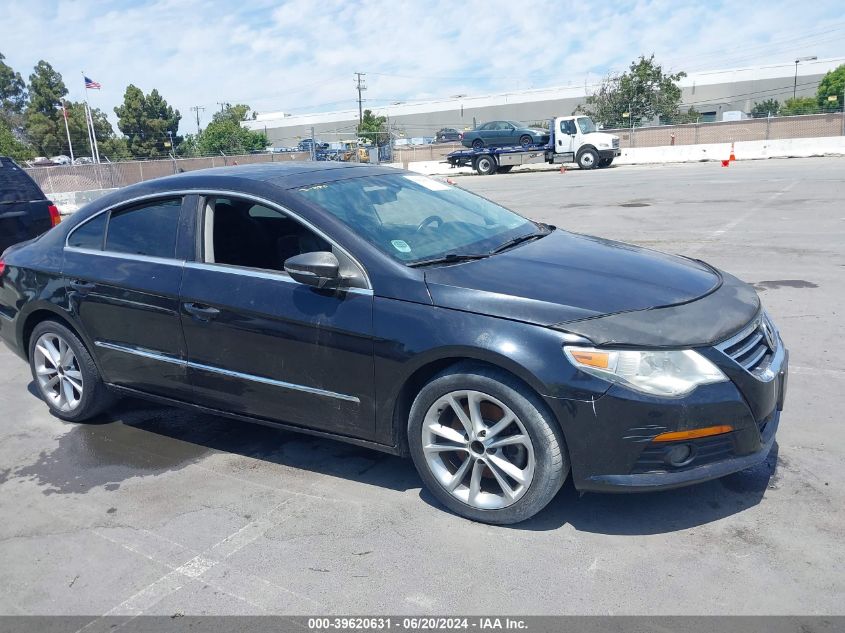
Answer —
396 312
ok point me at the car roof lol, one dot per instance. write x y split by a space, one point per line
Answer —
284 174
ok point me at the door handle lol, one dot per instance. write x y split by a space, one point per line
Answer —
201 312
82 286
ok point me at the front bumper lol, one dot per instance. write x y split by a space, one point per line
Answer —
610 153
609 438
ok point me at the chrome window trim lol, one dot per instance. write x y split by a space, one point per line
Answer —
128 256
131 201
265 274
227 372
221 192
295 216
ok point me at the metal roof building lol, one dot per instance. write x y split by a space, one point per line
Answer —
710 92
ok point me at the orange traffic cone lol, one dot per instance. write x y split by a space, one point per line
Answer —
732 157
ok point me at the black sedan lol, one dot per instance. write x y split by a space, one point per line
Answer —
501 133
396 312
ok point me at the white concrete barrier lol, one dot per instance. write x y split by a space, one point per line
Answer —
70 201
744 150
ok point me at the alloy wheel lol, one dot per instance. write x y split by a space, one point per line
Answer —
58 373
478 449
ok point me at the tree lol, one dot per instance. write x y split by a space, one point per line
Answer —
12 94
43 120
762 109
799 105
225 134
373 128
832 85
146 121
78 128
10 145
645 91
690 116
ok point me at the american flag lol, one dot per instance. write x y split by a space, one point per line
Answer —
90 84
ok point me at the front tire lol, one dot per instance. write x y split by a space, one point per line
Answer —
65 374
525 140
588 159
486 446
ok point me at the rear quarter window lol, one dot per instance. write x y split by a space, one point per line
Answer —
90 234
15 184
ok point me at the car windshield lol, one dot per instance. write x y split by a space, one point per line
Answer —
415 219
586 124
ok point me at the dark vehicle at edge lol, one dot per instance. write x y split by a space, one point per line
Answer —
25 212
389 310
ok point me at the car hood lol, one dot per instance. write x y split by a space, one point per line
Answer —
566 277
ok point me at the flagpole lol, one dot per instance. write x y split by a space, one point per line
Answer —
94 134
87 126
67 129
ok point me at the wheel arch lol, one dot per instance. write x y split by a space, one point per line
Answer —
423 373
43 313
584 148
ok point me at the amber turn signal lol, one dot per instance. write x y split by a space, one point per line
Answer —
591 359
707 431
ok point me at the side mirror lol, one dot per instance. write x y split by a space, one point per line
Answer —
319 269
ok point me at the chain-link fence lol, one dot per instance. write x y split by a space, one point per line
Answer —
65 178
761 129
68 178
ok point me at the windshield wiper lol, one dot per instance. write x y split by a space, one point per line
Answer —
448 258
518 240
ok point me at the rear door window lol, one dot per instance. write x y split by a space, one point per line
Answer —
148 230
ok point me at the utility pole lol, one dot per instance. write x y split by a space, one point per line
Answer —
222 105
795 81
361 87
197 109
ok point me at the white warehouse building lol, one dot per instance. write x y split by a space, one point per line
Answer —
710 92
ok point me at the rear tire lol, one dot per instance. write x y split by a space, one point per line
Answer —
588 159
485 165
494 475
65 374
477 144
605 162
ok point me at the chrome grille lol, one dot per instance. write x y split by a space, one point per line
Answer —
754 346
616 143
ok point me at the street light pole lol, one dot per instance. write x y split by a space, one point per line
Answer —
795 81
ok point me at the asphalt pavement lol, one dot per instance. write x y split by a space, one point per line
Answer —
162 511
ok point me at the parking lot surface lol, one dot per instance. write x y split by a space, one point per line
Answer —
163 511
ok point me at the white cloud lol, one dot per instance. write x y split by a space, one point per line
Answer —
301 54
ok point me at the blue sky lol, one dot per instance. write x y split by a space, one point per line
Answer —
300 55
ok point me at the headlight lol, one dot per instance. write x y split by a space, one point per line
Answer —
602 144
671 373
